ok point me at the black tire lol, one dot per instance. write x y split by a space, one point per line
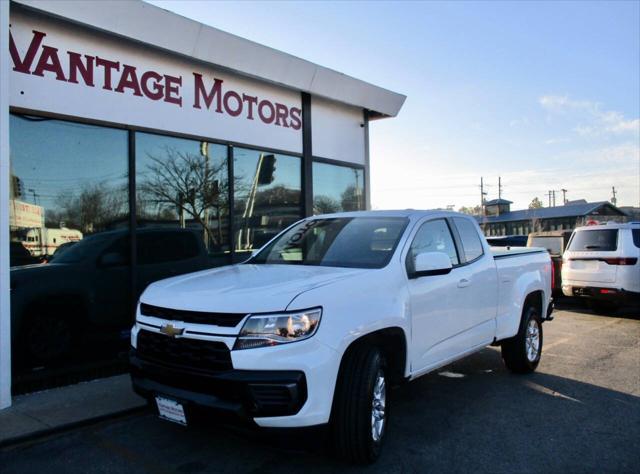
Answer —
515 351
47 337
351 424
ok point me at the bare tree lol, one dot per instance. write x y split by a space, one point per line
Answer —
351 199
94 208
189 183
535 203
472 211
325 205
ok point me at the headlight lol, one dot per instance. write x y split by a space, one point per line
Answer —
263 330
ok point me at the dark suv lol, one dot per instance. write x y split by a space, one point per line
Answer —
89 288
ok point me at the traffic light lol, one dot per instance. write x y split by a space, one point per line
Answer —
17 187
267 168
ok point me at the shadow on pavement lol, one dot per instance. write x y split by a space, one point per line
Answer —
486 420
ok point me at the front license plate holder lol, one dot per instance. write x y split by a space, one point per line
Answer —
171 410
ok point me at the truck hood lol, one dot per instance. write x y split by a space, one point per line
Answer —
244 288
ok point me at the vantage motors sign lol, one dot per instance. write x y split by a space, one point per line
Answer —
64 69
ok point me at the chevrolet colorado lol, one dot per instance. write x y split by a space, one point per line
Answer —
316 326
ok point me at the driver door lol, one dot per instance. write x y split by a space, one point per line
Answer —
433 298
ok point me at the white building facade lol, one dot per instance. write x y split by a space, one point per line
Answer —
137 144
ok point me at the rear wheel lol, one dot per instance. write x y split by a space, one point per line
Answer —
521 353
361 406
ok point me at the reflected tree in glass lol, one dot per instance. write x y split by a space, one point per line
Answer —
185 186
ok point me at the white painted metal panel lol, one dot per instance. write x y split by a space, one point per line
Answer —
160 28
337 131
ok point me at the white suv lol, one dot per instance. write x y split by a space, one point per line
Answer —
602 263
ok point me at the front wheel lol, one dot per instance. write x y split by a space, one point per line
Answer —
521 353
361 406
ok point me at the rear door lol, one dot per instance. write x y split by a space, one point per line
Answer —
588 251
477 287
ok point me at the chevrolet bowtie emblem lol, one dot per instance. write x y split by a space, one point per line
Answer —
171 331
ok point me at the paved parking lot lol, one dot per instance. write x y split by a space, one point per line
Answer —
579 413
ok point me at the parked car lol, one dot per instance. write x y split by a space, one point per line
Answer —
88 286
555 241
507 241
315 327
19 255
602 264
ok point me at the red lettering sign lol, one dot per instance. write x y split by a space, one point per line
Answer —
94 71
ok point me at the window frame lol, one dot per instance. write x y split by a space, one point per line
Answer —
460 244
343 164
418 227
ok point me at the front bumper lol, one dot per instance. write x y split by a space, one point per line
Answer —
304 371
244 394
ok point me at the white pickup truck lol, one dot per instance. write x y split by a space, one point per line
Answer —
317 325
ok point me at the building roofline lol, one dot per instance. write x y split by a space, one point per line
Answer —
574 210
154 26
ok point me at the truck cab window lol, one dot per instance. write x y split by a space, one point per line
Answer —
433 236
471 243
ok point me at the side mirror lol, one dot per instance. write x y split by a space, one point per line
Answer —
431 263
112 259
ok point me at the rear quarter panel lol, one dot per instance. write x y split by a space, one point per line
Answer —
518 276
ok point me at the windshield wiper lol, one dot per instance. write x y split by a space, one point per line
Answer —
591 247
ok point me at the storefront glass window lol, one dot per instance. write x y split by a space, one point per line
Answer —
69 214
183 184
337 188
267 190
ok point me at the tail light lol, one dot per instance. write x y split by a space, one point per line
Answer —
620 261
607 291
553 276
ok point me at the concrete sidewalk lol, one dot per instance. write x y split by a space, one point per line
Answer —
40 413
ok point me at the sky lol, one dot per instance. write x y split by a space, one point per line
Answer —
545 95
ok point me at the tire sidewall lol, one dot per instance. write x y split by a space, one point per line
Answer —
379 365
531 314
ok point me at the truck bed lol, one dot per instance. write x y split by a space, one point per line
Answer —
506 252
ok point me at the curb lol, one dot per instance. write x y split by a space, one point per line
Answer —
67 427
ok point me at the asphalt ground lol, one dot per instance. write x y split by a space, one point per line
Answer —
580 412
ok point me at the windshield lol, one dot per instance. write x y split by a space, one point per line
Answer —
552 244
355 242
600 240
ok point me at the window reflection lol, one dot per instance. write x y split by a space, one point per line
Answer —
267 196
337 188
69 197
184 183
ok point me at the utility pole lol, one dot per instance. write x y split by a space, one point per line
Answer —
564 196
549 193
614 200
482 195
499 187
553 193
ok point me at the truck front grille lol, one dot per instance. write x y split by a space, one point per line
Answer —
196 317
184 353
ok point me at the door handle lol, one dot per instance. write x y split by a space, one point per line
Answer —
463 283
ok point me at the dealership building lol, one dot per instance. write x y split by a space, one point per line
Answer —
136 144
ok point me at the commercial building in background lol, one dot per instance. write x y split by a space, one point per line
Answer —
501 220
144 145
